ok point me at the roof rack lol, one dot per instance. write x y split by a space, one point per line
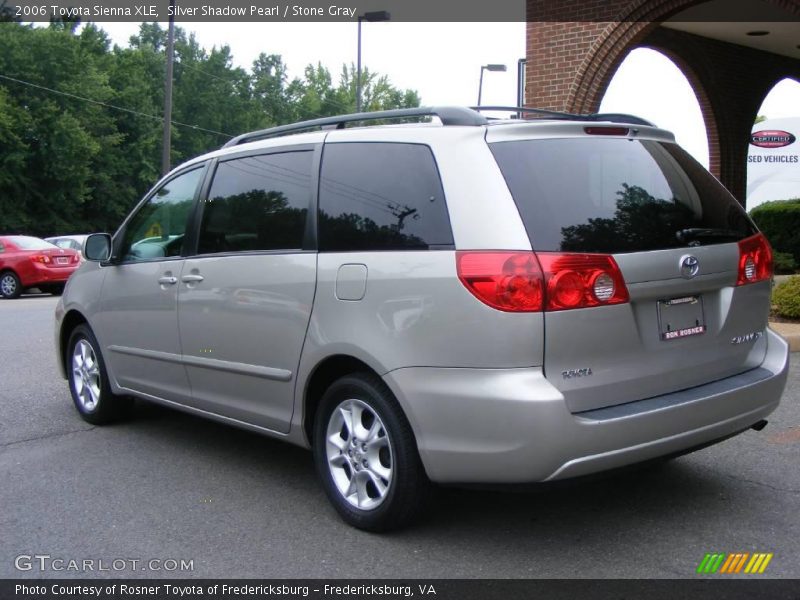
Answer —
449 115
554 114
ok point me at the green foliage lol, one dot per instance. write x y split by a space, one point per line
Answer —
780 222
786 298
784 263
68 165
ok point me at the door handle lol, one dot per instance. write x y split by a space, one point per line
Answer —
192 278
167 280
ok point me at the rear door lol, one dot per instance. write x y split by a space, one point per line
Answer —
675 234
245 297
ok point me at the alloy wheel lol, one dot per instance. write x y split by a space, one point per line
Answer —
86 375
8 285
359 454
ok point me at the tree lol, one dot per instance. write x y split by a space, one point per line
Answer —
61 134
81 125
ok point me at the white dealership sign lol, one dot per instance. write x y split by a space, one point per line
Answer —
773 161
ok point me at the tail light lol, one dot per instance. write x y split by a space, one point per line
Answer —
509 281
755 260
76 258
41 258
530 282
606 130
582 280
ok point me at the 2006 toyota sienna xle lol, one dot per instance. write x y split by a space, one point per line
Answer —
460 301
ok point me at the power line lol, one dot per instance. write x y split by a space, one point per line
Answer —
127 110
186 65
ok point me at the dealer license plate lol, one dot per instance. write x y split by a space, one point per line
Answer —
681 317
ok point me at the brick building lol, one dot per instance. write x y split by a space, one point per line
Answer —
731 51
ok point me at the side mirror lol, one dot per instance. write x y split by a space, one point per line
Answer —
97 247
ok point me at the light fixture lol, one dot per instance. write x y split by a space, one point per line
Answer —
372 16
494 67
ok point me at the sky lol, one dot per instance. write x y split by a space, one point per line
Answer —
442 61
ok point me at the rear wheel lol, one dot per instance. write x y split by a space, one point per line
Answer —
10 285
366 455
88 380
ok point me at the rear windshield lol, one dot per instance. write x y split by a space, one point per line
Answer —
24 242
617 195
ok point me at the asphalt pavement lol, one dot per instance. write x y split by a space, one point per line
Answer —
165 486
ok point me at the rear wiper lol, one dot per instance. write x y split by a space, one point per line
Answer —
694 233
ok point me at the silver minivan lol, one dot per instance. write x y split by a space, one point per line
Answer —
459 301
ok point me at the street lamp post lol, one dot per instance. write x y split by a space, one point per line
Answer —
378 15
521 65
487 68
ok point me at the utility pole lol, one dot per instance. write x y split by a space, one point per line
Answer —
358 68
167 141
402 215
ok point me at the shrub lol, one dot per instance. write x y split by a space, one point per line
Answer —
780 222
785 264
786 298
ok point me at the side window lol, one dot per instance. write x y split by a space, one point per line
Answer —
257 203
381 196
157 229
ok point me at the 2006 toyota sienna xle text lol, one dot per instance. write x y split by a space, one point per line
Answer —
462 301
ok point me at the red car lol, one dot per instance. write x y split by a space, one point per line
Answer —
27 262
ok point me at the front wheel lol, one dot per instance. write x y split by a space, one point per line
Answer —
88 380
366 455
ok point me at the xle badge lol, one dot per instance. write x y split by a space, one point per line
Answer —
573 373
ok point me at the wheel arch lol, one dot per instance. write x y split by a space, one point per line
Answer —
322 376
7 269
71 320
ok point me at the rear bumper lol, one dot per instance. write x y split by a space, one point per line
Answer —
512 425
42 275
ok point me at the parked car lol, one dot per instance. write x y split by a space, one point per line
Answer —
69 242
28 262
480 302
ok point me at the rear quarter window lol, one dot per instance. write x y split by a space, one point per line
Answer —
381 196
616 195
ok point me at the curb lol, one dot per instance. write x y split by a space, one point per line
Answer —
790 332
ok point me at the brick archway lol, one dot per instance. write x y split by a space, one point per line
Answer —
703 100
574 49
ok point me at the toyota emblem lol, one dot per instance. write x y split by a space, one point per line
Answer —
689 266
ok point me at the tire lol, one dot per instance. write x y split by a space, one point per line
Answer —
375 478
10 285
88 380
